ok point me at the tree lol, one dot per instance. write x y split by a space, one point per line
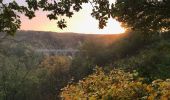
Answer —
19 74
147 15
9 12
57 70
10 19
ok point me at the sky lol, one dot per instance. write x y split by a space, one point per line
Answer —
81 22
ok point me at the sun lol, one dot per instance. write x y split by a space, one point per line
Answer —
81 22
90 26
113 27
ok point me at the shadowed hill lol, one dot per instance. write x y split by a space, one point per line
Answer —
54 40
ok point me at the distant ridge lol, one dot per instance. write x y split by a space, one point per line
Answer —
55 40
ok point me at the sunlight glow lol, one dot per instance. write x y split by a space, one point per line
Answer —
81 22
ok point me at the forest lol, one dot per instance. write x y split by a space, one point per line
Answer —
130 66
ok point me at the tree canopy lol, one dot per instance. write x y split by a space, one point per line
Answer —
145 15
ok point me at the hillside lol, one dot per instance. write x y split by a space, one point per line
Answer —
53 40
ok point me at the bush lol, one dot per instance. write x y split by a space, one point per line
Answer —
117 85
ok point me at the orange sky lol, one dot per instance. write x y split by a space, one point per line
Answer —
81 22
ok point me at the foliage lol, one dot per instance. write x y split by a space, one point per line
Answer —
146 58
117 85
56 64
17 67
20 78
143 15
91 53
128 45
56 70
10 12
153 62
80 68
95 52
26 75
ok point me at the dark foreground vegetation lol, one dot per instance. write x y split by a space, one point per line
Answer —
131 67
